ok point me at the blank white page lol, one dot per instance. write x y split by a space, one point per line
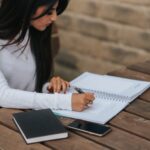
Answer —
103 83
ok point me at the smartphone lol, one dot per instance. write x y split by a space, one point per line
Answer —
89 127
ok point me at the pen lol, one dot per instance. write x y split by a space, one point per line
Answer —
79 90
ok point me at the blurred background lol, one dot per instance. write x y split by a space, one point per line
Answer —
101 36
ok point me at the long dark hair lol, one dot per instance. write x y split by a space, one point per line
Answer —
15 18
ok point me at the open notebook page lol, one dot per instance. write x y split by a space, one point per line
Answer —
109 84
103 109
100 112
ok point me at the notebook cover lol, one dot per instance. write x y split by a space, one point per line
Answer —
38 123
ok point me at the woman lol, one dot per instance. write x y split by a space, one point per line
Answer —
26 60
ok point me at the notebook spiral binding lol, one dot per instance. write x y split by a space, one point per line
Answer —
108 96
102 94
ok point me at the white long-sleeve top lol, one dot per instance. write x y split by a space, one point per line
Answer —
17 82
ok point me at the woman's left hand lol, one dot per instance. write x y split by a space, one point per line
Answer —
58 85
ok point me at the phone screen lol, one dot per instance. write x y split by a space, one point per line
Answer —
89 127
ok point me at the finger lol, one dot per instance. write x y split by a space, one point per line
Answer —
87 102
90 96
54 85
64 87
58 85
50 88
67 83
91 102
86 106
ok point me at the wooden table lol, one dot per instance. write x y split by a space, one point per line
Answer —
130 128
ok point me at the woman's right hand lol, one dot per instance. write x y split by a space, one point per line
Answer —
81 101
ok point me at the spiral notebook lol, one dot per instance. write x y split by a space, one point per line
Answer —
112 94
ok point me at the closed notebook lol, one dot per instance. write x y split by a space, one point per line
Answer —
39 125
112 94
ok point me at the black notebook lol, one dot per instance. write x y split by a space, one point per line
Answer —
39 125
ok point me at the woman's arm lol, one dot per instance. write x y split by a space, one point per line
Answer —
14 98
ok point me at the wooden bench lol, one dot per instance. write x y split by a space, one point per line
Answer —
130 128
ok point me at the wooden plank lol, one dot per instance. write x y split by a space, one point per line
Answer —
146 96
73 142
134 75
120 140
10 140
128 125
6 118
133 124
121 144
111 137
131 74
140 108
141 67
76 142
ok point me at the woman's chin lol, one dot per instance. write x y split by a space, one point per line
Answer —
41 28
